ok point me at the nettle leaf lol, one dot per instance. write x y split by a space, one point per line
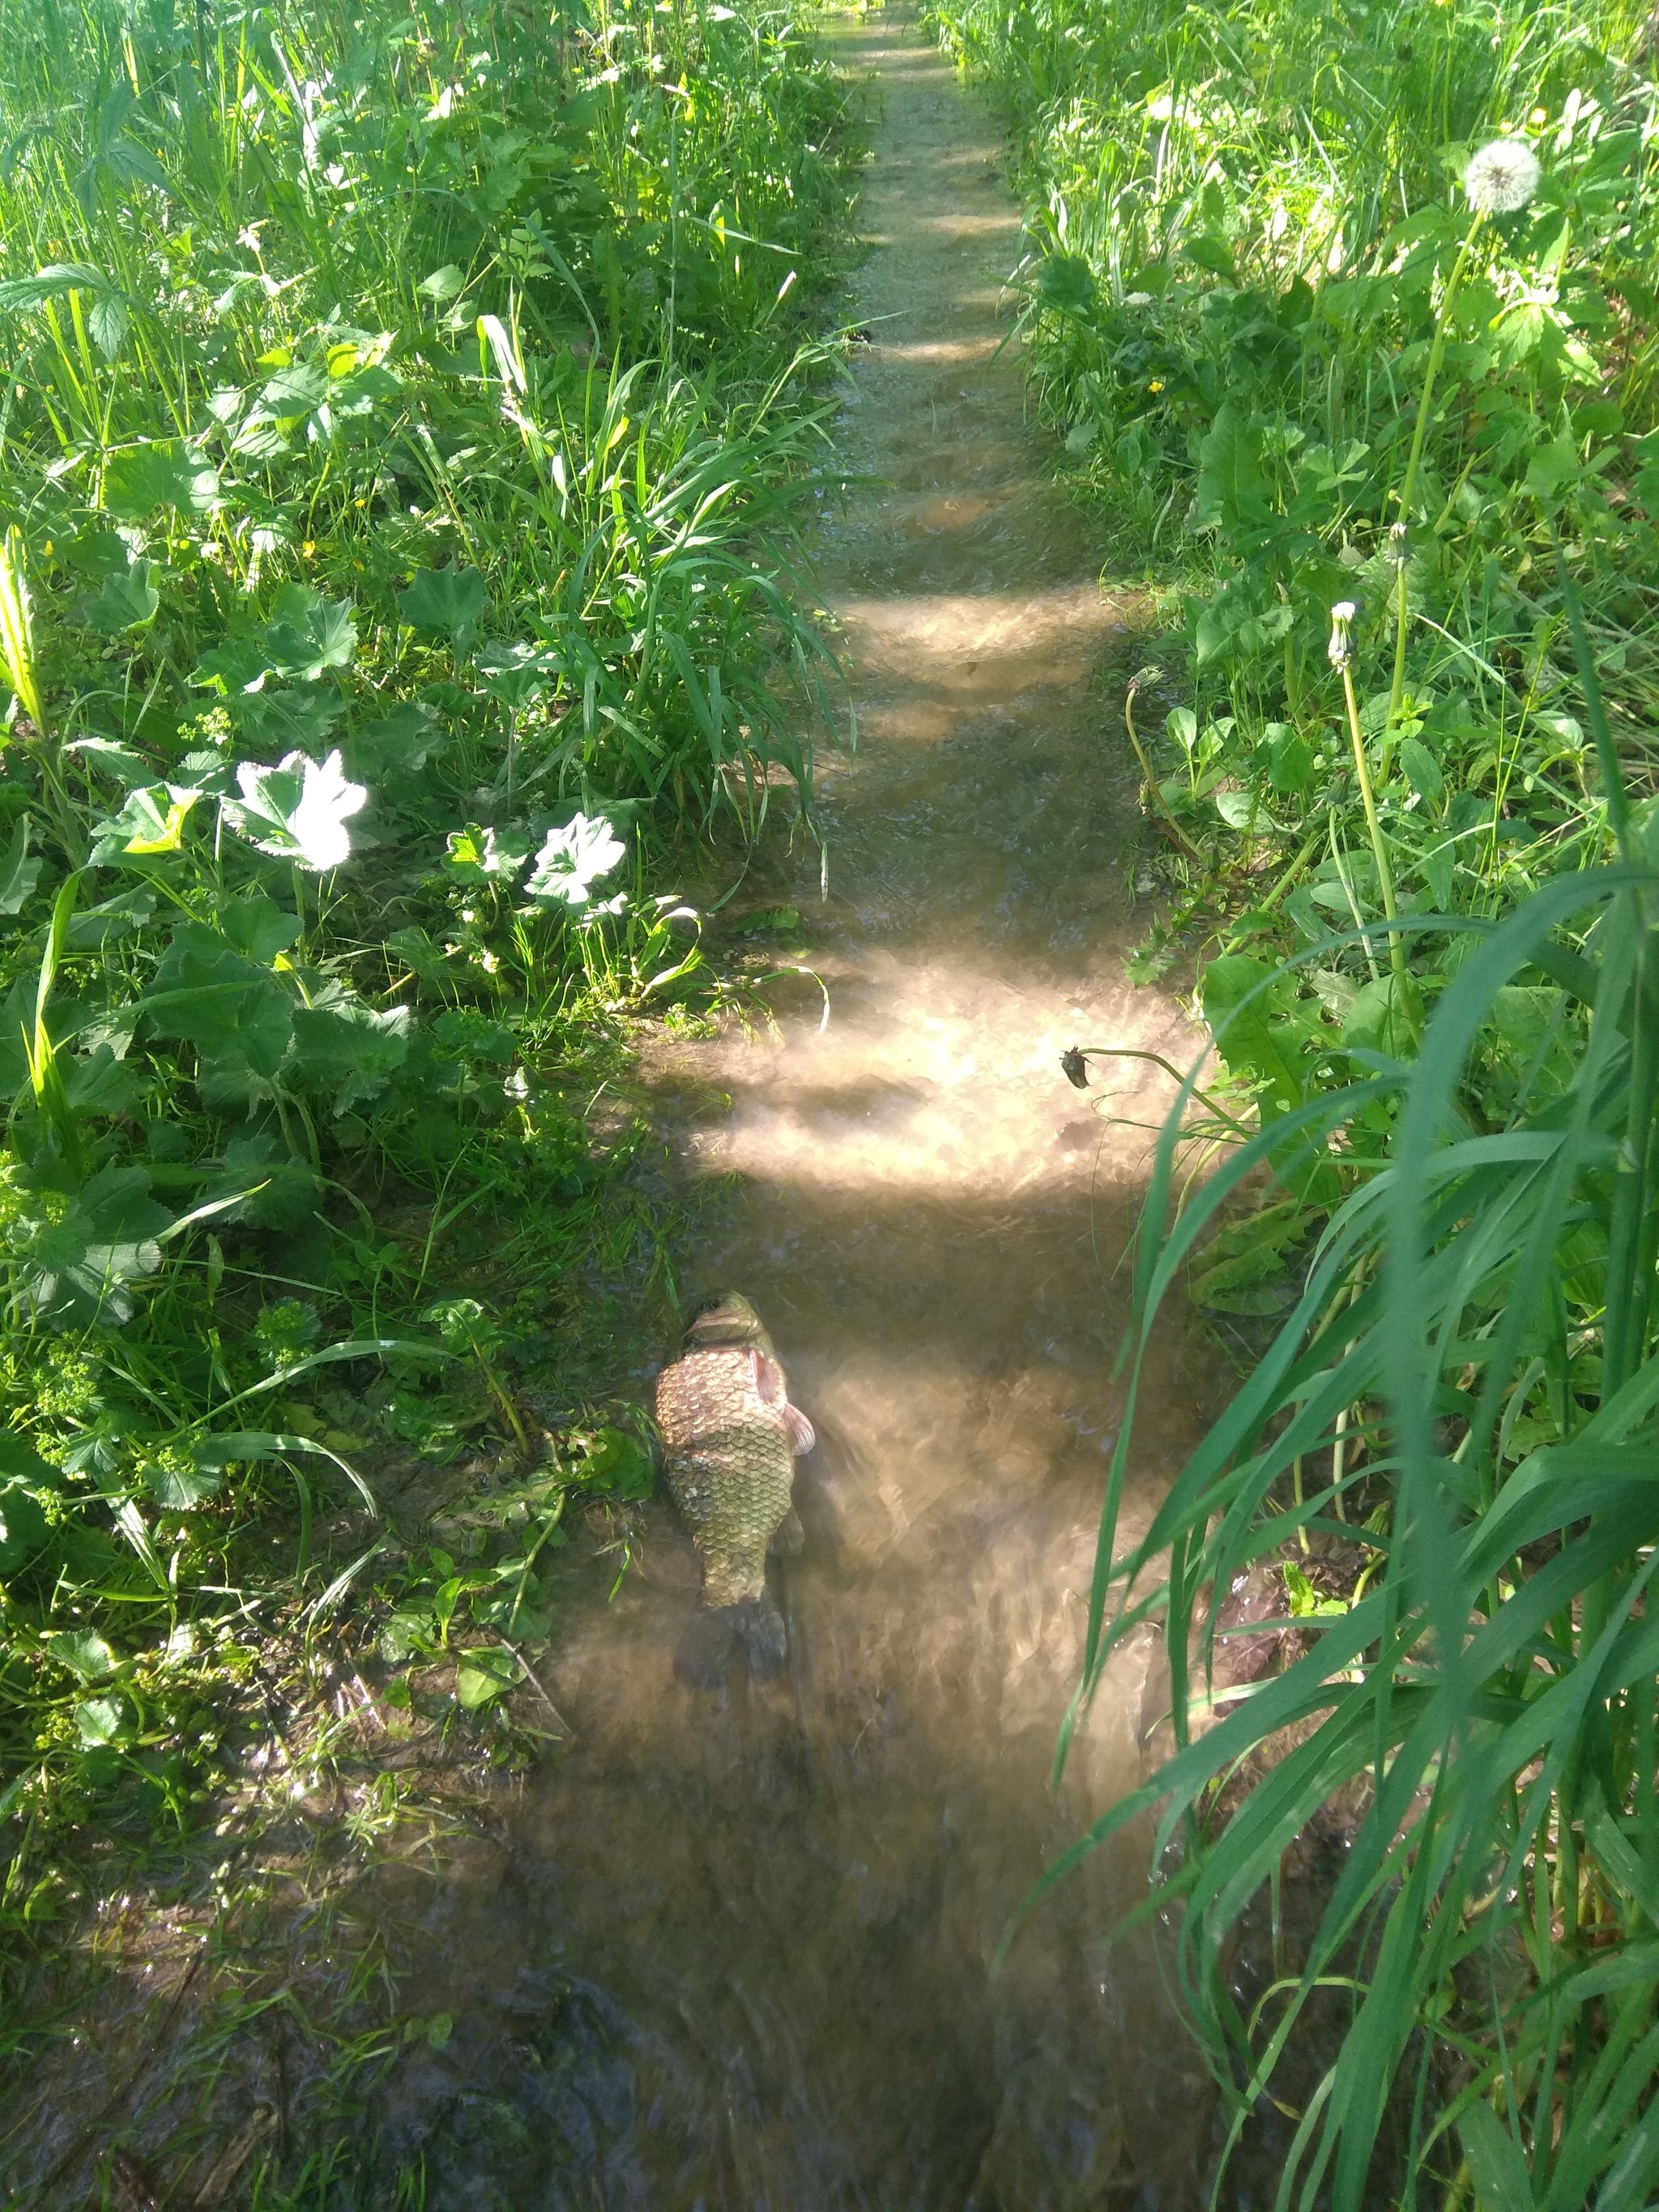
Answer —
238 1016
18 873
402 742
477 855
119 762
307 633
573 860
297 811
141 478
289 721
108 323
77 1256
451 599
151 822
296 392
348 1052
126 602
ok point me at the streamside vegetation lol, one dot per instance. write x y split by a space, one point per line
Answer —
403 410
1347 315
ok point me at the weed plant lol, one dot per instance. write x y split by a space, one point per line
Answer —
404 415
1348 314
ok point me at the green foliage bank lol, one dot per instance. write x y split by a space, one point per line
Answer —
403 415
1347 315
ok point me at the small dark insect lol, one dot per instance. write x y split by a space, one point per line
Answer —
1075 1067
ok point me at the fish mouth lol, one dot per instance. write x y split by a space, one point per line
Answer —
723 1317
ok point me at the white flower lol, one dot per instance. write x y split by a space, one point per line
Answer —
1339 652
1501 177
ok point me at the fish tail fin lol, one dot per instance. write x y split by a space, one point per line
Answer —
763 1635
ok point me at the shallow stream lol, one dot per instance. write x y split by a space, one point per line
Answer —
741 1942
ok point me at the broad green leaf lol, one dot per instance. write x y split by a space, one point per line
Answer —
1420 770
444 284
1386 1016
103 1721
235 664
286 721
477 855
151 822
126 602
345 1053
239 1018
573 860
139 479
77 1256
451 600
296 811
308 634
19 874
485 1674
177 1485
23 1527
84 1652
400 742
258 927
469 1035
1231 489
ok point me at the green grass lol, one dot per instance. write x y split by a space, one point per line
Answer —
1394 450
405 419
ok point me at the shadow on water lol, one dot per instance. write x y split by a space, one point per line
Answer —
732 1951
770 1915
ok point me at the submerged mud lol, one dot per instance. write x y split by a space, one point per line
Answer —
769 1916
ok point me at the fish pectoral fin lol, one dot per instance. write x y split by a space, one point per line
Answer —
788 1537
802 1435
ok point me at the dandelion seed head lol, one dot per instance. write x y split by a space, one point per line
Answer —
1339 652
1501 177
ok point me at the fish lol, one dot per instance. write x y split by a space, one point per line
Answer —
730 1439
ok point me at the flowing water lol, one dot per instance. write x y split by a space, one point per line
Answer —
764 1919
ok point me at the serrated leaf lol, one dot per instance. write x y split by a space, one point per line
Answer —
451 599
103 1721
476 855
77 1266
108 323
239 1018
308 634
346 1053
235 664
296 811
176 1488
84 1652
151 822
141 478
573 860
258 927
289 721
126 602
402 742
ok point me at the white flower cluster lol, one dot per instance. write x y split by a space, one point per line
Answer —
1501 177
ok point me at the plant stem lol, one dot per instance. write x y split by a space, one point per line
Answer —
1414 459
1379 848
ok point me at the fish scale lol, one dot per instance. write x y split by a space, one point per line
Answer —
730 1464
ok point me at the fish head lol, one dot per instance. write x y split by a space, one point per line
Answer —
724 1317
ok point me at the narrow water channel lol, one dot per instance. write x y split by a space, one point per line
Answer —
739 1955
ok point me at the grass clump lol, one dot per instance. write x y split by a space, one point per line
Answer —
404 413
1348 317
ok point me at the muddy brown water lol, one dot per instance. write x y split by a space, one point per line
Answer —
766 1917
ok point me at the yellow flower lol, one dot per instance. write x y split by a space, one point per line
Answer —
308 548
1156 384
47 547
1538 116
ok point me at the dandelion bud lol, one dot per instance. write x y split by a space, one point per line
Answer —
1339 651
1397 550
1502 177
